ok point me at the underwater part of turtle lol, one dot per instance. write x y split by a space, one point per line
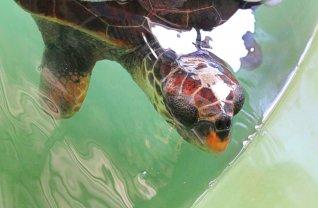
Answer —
196 93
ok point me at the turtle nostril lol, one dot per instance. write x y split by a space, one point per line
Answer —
223 123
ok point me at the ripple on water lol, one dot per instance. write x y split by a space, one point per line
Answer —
146 189
95 181
21 118
24 138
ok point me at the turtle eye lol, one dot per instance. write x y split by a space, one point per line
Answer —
182 110
239 101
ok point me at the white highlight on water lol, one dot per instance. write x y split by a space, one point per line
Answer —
227 42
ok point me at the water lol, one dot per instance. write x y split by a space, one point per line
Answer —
117 151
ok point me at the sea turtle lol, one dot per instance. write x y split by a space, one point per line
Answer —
196 92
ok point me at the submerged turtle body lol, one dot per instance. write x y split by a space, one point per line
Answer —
120 22
196 92
187 14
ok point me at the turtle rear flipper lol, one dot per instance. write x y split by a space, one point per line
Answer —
66 68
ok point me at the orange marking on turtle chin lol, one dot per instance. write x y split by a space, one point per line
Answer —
215 143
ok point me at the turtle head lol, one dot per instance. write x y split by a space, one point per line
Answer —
202 96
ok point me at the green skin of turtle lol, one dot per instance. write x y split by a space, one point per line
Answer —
196 93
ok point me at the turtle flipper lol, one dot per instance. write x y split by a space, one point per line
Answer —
66 68
63 83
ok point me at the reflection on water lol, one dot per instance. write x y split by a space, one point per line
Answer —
117 153
146 190
225 41
23 122
92 173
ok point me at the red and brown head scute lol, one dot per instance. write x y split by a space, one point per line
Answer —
203 96
190 85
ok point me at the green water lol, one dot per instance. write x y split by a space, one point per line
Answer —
117 151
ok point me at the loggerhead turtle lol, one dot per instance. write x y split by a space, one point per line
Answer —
196 93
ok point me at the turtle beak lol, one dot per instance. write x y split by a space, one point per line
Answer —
218 141
214 136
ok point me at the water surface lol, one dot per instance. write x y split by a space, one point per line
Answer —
117 151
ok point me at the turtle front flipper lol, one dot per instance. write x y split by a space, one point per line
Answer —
64 80
66 68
